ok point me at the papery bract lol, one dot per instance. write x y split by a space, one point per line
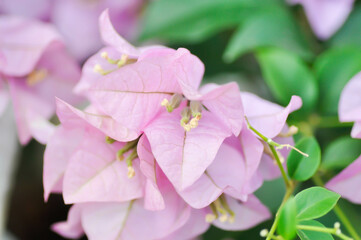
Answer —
326 16
36 68
347 181
350 105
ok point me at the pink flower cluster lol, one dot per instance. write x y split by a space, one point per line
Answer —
76 19
34 67
156 156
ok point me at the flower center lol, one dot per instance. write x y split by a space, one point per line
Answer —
36 76
220 210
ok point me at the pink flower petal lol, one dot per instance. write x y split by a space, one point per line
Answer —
72 228
24 42
268 118
133 94
248 214
347 181
131 221
184 156
153 199
94 174
102 122
350 100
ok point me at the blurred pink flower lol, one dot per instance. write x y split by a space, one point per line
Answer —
326 16
77 20
36 68
349 107
345 182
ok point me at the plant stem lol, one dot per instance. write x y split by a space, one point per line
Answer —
289 192
325 230
279 163
338 211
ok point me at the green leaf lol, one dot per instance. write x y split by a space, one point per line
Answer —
264 30
312 235
301 167
315 202
193 21
350 33
287 220
341 152
287 75
334 69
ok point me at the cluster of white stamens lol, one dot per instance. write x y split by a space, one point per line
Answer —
124 59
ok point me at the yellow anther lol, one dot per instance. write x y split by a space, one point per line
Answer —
187 127
131 172
194 123
36 76
223 218
98 69
104 55
123 60
165 102
210 217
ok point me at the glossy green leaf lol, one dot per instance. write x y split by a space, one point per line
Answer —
312 235
192 21
287 220
301 167
286 75
341 152
334 69
315 202
264 30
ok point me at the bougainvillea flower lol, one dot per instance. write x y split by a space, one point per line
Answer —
36 68
124 220
326 16
346 181
117 53
77 20
233 172
88 168
175 221
350 105
270 120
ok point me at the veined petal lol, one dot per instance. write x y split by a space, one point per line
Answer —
114 221
268 118
94 174
59 150
226 103
132 95
184 156
346 182
247 214
104 123
153 199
